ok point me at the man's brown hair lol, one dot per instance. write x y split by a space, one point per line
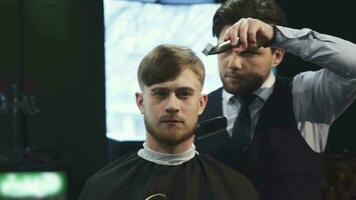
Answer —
232 11
165 62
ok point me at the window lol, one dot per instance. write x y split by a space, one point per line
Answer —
132 29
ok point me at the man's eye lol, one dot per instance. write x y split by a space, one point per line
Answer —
159 93
184 94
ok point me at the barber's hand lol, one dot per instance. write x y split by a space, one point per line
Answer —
249 33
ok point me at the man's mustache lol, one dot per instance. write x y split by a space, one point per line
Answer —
234 73
172 118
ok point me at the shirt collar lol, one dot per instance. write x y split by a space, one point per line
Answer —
166 159
262 92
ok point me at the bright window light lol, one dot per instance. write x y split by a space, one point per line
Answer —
131 30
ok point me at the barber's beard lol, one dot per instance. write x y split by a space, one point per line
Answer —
169 136
244 85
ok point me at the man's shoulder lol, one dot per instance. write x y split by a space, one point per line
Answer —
217 92
112 180
216 166
117 167
231 180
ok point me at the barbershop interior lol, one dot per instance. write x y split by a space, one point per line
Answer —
68 77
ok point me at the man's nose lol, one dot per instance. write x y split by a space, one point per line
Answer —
172 105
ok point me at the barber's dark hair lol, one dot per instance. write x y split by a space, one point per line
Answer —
165 62
231 11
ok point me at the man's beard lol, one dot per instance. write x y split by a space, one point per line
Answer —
169 137
244 84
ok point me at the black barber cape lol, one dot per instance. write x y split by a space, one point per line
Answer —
132 177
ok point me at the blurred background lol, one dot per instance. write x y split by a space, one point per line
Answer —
67 83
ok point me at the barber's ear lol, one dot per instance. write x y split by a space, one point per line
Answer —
202 103
139 101
278 56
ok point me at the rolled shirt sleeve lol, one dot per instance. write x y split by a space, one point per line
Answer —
319 97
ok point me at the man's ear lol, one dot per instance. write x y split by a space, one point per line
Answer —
202 103
278 56
139 101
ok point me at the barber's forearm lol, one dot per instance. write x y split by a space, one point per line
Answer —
326 51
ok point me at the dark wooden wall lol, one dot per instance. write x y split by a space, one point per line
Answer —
64 67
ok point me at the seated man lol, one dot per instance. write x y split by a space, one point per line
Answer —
168 167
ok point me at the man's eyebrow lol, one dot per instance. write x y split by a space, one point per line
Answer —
183 88
158 88
186 88
251 50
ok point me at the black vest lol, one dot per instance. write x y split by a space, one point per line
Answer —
279 161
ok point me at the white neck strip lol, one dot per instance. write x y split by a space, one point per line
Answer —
166 159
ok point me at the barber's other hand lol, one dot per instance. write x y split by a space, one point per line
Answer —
249 33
